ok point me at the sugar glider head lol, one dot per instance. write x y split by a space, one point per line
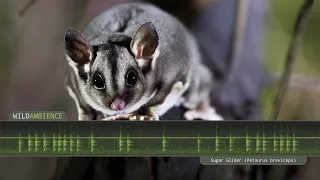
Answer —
112 73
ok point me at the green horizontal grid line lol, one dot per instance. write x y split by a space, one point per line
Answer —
127 146
155 137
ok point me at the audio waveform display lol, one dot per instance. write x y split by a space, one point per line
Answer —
159 138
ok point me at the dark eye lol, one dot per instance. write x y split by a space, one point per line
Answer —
98 81
131 78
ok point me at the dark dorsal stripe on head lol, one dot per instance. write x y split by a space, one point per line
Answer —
97 48
113 63
113 56
121 40
101 47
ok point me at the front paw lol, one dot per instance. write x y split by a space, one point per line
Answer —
208 113
117 117
142 118
130 117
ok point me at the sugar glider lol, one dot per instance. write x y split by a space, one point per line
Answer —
135 57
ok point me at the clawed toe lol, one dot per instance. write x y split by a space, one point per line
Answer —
110 118
129 117
116 117
141 118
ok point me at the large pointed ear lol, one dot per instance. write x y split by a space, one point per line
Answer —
144 44
76 47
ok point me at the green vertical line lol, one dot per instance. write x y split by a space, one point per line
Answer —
20 143
47 142
59 142
89 142
92 142
264 141
65 142
248 141
281 140
294 143
128 143
163 140
275 140
230 140
198 142
54 143
44 141
71 143
78 145
120 149
217 140
288 140
257 140
120 139
78 142
38 142
35 143
30 143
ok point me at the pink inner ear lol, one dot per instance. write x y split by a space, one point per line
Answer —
144 51
140 52
79 54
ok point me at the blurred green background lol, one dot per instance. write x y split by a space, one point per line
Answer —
303 103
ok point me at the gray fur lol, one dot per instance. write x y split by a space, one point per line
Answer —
178 59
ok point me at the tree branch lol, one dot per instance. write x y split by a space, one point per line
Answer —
291 56
300 83
26 7
238 34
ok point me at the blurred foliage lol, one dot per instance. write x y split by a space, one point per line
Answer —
278 36
7 43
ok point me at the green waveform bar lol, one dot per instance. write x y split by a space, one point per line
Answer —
159 139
